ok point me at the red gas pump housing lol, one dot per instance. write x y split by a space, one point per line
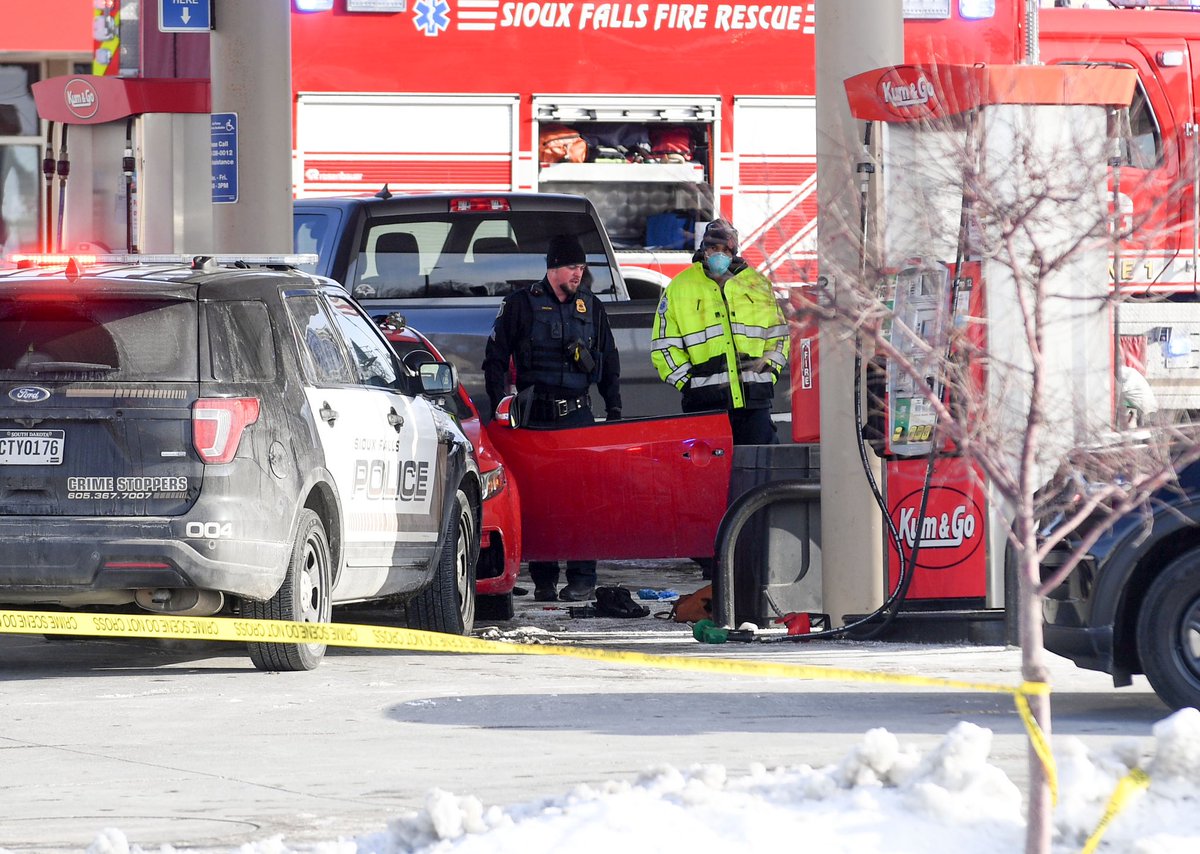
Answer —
84 99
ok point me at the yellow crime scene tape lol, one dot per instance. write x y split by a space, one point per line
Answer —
383 637
1131 784
411 640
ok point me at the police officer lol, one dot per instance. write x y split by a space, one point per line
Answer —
720 337
556 335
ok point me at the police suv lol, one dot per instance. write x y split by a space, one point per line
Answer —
224 435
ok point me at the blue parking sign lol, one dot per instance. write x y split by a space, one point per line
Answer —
224 135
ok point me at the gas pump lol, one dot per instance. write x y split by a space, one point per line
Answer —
133 164
935 122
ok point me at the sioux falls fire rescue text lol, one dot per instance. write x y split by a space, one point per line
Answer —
658 16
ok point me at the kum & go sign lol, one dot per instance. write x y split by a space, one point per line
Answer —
952 562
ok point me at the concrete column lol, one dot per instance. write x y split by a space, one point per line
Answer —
251 58
852 36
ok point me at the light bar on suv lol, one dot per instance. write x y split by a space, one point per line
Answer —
26 260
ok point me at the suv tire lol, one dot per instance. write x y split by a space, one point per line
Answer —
1168 632
448 604
304 597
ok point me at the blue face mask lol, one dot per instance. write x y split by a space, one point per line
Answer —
718 263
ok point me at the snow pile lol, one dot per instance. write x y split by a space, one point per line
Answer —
881 797
524 634
1162 819
877 796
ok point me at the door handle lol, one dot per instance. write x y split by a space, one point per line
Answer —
327 413
700 452
395 419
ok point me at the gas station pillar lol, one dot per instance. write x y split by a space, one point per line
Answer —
852 36
251 70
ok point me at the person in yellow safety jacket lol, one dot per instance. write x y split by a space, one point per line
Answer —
720 338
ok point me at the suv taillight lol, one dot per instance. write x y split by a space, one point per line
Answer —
217 425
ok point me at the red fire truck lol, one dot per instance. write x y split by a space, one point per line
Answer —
456 94
686 110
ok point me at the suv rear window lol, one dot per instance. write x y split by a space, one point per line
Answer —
118 338
470 255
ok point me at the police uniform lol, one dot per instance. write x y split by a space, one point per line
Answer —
559 349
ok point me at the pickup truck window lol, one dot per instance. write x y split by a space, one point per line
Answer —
315 233
469 255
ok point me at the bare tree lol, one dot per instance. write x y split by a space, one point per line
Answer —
1016 202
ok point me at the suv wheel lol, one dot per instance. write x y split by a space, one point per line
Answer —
1168 632
304 597
448 604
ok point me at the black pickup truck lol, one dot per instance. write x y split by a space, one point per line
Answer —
445 260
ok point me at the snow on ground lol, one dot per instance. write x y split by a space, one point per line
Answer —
882 796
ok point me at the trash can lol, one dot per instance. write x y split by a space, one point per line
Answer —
777 559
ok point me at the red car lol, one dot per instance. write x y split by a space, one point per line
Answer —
500 543
640 488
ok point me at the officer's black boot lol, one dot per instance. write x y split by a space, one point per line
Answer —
581 581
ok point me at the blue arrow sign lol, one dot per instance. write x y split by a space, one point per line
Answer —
224 158
184 16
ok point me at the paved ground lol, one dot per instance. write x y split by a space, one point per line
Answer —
185 744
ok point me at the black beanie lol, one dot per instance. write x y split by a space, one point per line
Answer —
564 249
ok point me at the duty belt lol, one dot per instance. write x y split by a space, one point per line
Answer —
557 407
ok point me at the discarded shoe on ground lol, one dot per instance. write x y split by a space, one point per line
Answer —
617 602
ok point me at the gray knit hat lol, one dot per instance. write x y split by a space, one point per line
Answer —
721 231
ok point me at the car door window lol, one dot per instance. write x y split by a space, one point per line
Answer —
373 361
240 341
325 361
1141 139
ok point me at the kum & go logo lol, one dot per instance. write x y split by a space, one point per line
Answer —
915 94
81 98
950 532
908 92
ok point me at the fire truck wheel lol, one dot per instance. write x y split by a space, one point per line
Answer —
448 604
1168 632
305 597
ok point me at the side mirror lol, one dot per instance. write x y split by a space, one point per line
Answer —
513 410
506 413
438 378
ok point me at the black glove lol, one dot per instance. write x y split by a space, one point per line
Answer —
612 415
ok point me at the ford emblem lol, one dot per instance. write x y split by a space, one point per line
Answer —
29 394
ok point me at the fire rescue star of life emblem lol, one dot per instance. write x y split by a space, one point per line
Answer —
431 16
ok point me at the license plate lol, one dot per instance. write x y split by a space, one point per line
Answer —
31 447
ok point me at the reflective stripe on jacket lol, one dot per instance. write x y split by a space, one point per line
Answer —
723 351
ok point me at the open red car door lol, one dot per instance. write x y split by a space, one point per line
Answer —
641 488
